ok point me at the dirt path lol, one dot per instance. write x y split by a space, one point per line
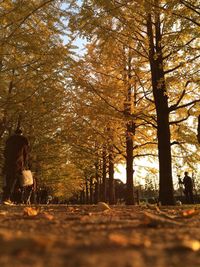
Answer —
76 236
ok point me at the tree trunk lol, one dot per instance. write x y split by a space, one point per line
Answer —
166 195
111 192
97 184
86 191
104 184
130 131
129 167
91 190
82 197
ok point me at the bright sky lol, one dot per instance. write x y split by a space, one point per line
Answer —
140 171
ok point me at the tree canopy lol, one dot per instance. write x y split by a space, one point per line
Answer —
133 93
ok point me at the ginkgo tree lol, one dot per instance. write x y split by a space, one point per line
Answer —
137 86
105 81
168 45
90 135
34 64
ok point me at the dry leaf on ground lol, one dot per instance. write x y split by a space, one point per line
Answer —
191 244
47 216
187 244
101 206
29 211
153 207
189 213
156 220
133 240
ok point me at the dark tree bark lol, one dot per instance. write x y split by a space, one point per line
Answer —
129 166
82 197
97 184
130 131
111 192
104 169
96 188
86 191
91 191
166 195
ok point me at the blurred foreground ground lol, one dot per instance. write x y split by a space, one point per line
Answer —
76 236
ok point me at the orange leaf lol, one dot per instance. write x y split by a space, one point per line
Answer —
190 213
28 211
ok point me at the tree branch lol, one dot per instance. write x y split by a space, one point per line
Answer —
190 6
177 103
187 104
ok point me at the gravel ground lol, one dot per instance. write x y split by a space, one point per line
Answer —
85 236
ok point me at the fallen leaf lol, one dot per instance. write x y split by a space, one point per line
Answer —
47 216
29 211
189 213
162 213
118 239
72 209
153 207
156 220
101 206
135 240
168 216
191 244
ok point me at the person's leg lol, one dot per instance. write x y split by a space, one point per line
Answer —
12 186
191 197
5 195
23 196
187 196
11 180
29 193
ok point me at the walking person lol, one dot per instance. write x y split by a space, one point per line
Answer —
16 159
188 184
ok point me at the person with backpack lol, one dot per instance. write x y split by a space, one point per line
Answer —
16 159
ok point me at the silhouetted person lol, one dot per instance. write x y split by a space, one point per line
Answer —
180 185
188 184
42 195
16 158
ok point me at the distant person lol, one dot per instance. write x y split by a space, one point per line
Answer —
16 159
33 198
188 184
180 185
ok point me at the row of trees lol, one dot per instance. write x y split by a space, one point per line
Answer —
133 94
34 65
140 78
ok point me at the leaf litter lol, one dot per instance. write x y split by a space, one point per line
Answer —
113 230
159 217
